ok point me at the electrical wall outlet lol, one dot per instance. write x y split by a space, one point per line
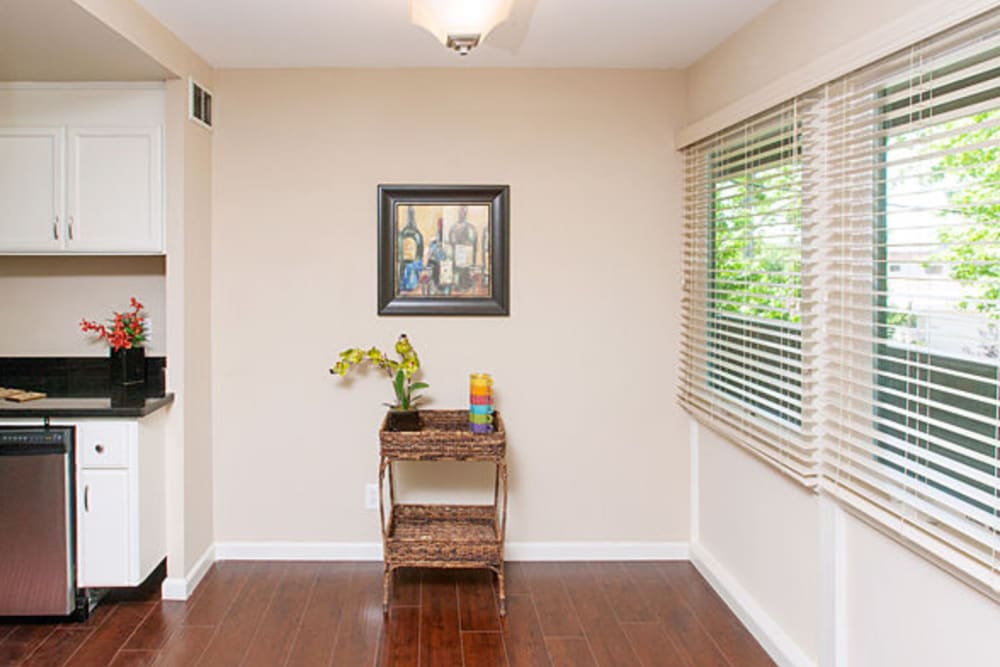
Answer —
371 496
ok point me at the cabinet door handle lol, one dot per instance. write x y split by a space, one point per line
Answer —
55 228
99 449
86 498
69 220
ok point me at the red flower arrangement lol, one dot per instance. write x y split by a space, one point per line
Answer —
125 331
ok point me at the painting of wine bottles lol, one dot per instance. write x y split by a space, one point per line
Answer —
443 250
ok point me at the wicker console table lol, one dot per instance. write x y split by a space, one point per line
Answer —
443 536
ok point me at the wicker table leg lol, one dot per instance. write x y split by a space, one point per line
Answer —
386 583
502 534
503 590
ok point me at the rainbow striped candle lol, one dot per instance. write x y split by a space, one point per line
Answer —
480 403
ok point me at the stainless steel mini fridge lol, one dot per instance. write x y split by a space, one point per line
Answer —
37 536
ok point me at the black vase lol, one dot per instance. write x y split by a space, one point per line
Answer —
403 420
128 377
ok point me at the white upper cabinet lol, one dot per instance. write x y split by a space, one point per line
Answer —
31 189
115 190
81 170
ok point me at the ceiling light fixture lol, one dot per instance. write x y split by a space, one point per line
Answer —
460 24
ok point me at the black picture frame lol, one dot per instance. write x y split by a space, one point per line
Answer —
392 302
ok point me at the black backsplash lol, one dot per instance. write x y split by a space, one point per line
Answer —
74 377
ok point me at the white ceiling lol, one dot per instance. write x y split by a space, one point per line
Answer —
378 33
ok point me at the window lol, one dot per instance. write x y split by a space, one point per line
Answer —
755 271
940 207
913 175
842 293
743 371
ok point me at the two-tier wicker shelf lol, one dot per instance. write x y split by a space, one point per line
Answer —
443 536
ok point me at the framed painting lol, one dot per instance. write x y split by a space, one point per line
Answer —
443 249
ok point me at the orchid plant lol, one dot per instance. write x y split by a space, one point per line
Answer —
400 372
124 331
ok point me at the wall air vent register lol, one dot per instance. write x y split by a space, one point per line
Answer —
200 106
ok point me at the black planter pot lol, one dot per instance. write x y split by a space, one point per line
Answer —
403 420
128 377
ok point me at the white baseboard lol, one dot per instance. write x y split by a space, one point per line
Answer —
781 647
529 551
176 588
298 551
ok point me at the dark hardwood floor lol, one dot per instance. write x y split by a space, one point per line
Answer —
250 613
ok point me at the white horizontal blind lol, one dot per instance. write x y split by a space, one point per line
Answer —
909 248
842 293
742 356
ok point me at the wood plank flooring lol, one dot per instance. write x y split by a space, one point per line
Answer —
649 614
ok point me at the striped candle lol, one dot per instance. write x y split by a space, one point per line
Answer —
481 403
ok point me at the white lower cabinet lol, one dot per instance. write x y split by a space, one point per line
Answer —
121 518
104 528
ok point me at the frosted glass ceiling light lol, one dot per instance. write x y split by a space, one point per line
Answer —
460 24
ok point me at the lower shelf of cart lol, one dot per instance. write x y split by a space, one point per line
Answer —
462 524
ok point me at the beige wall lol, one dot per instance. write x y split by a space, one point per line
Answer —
787 36
584 365
773 539
902 610
768 534
43 300
198 335
764 529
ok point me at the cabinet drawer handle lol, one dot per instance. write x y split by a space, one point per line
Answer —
86 498
55 228
99 449
69 220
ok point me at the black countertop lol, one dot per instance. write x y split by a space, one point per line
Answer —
80 408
